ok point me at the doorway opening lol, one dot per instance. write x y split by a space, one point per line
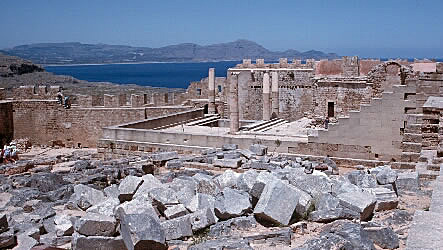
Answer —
330 109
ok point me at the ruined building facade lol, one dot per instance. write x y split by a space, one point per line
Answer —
375 111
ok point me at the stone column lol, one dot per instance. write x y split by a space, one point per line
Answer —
233 102
266 98
211 91
274 95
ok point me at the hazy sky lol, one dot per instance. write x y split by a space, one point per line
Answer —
376 28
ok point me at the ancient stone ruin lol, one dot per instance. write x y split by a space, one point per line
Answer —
342 154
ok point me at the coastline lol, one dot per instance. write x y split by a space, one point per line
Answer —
129 63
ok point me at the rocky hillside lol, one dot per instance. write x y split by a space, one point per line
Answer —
78 53
11 66
16 72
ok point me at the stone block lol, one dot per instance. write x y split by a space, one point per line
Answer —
229 178
163 196
185 189
106 207
228 147
175 211
3 223
248 154
407 181
82 242
85 197
246 180
136 206
227 243
360 202
8 239
96 225
149 183
352 232
25 242
383 237
260 182
231 203
314 185
259 149
206 185
63 225
263 165
279 236
386 176
305 203
231 155
177 228
164 156
142 231
202 219
362 179
326 202
227 163
128 186
111 191
201 201
277 203
326 216
174 164
386 199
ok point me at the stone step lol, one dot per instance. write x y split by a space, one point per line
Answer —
437 160
411 137
413 128
411 147
410 157
414 118
426 231
403 165
435 167
437 198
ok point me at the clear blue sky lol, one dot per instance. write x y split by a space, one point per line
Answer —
377 28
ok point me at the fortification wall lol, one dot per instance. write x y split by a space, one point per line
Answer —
35 92
45 122
6 122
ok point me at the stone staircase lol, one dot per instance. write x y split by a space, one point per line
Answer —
225 110
390 122
426 231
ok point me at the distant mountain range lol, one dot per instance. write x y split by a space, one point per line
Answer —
78 53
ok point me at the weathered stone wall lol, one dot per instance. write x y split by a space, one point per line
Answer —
301 95
45 121
199 90
2 94
377 126
326 67
346 96
367 65
6 122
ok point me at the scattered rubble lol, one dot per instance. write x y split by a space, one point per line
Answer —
260 203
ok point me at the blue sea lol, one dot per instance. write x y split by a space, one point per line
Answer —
170 75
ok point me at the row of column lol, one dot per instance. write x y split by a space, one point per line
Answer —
270 98
211 93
